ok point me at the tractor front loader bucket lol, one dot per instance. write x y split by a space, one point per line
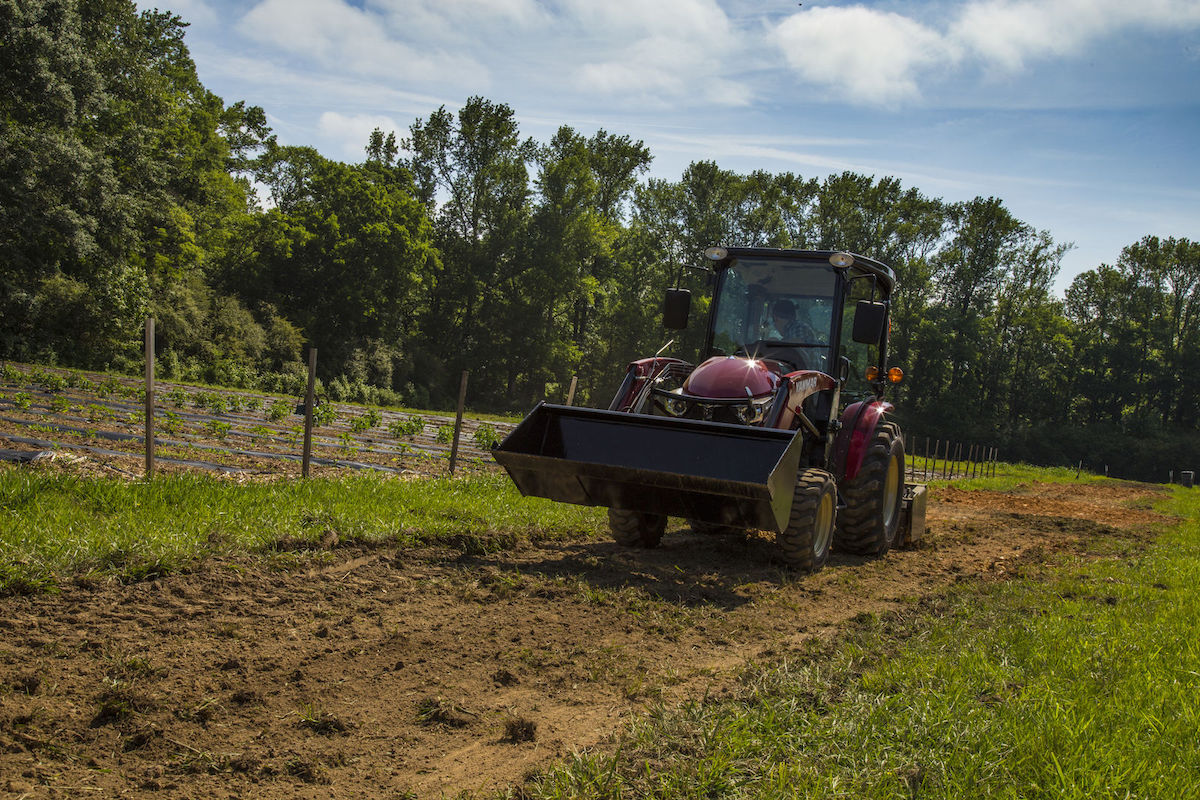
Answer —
707 471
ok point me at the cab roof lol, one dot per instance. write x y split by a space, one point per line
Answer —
863 264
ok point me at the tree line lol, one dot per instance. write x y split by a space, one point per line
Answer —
127 189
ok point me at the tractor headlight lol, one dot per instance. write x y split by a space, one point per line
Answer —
752 411
675 407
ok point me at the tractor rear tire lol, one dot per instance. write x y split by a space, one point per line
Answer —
869 523
636 528
805 543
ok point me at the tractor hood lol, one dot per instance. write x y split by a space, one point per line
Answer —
728 377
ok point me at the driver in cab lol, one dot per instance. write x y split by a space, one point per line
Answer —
782 324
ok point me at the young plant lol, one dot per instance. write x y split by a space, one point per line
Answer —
23 400
324 414
171 423
109 386
96 412
366 421
485 437
445 434
409 426
278 410
217 429
176 397
60 404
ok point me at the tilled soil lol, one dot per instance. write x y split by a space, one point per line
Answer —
384 673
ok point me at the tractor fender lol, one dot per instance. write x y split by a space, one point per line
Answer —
859 421
801 385
637 374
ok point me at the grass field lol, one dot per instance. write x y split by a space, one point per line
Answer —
1077 677
1076 680
55 526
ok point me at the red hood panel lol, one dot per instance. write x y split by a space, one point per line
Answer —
729 377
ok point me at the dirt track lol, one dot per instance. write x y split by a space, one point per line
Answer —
372 673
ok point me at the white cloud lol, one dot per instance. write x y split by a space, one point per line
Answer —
1010 33
879 58
353 130
873 56
196 12
672 52
462 21
340 36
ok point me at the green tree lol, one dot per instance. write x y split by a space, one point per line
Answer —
470 171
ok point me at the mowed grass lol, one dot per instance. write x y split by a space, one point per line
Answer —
1076 680
55 526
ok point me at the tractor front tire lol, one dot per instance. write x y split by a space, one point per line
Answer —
805 543
636 528
869 523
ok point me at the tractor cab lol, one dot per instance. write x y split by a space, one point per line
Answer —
781 320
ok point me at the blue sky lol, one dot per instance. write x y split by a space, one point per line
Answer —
1082 115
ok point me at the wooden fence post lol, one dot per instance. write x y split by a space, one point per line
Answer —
571 391
925 471
308 411
462 399
149 397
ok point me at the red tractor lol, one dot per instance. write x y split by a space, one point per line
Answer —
758 435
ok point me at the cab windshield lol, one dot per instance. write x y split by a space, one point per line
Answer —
764 304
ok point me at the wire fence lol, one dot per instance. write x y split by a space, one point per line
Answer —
943 459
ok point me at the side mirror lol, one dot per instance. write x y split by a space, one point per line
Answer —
870 316
676 308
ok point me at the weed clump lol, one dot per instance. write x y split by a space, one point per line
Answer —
519 729
437 711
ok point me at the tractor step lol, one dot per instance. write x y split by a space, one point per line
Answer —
912 515
706 471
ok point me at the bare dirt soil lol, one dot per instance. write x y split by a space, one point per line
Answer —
385 673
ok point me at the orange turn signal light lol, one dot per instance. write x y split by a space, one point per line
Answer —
872 373
895 375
